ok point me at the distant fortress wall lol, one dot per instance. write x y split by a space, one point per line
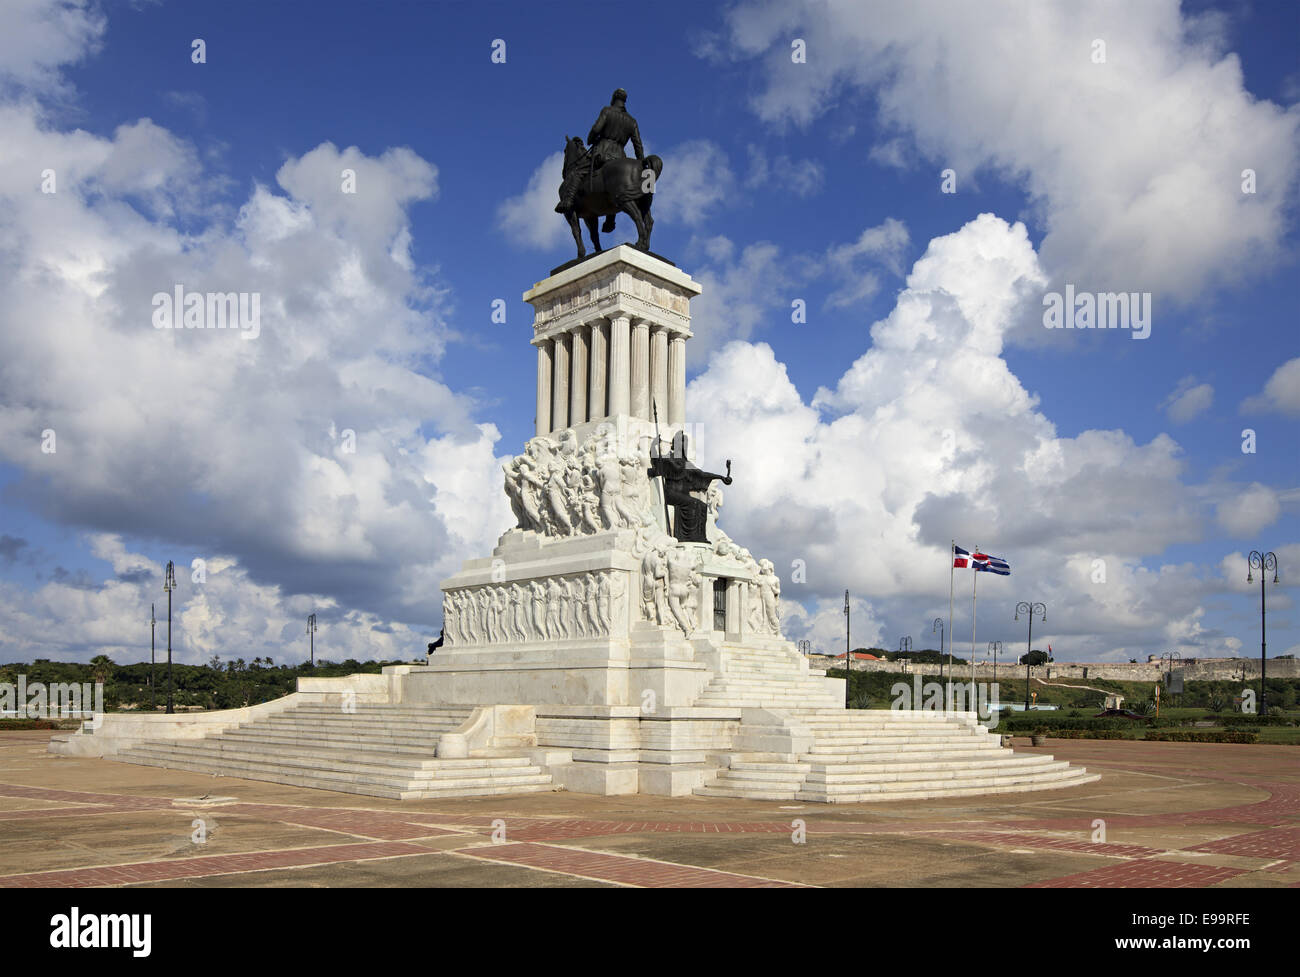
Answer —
1205 669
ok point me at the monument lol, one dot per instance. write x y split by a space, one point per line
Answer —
612 603
616 640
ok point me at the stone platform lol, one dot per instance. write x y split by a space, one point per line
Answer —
606 645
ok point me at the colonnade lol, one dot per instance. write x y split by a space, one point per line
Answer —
610 366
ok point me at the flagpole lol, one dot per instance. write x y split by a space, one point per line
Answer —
952 563
975 576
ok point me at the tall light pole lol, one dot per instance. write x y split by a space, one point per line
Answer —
153 680
169 584
904 644
1025 607
848 653
311 633
1263 562
938 626
995 647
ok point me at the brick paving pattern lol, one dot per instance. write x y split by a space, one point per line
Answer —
1143 874
206 865
603 867
1283 843
368 834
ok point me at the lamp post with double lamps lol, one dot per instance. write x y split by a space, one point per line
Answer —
153 659
1025 607
995 647
1263 562
169 584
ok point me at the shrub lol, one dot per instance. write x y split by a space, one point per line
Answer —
1023 723
1247 719
1202 736
28 724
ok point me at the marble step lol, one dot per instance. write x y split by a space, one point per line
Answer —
908 794
380 765
416 765
321 753
767 680
471 787
399 744
938 787
345 722
899 790
747 792
382 709
424 737
793 698
838 774
885 744
397 782
935 770
825 728
861 721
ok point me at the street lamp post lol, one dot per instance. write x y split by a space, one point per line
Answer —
995 647
1263 562
1025 607
153 656
311 633
848 654
938 626
169 584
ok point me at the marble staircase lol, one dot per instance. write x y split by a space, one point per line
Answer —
378 750
766 679
796 743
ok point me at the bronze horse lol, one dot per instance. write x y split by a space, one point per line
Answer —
617 186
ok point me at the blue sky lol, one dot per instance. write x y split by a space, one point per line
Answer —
817 181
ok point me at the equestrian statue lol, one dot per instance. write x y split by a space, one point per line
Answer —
602 181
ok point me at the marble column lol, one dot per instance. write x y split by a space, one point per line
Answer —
640 392
543 419
733 605
599 357
677 380
578 377
560 397
620 350
659 370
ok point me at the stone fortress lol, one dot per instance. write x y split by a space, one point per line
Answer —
604 646
1154 670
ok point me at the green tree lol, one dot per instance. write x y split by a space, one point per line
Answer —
101 669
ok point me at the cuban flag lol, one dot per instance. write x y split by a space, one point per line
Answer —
960 557
990 564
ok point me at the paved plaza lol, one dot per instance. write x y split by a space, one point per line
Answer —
1176 815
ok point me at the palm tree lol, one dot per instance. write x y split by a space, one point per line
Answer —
101 668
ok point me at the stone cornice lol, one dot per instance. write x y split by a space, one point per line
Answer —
607 263
609 306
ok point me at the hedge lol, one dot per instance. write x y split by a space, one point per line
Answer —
1023 723
28 724
1203 736
1246 719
